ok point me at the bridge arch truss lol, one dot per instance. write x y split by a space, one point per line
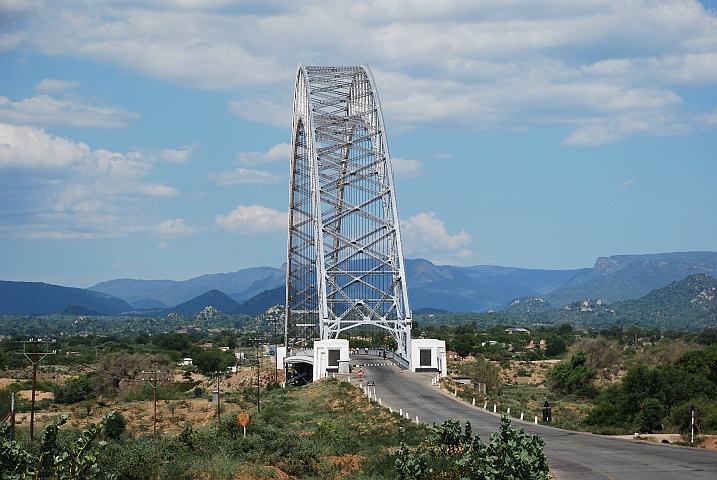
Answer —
345 265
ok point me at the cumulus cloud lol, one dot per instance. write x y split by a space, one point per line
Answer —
56 86
177 156
426 236
606 70
47 110
245 175
63 189
253 219
406 168
278 152
274 111
628 183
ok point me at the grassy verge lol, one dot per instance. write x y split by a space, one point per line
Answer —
327 429
528 399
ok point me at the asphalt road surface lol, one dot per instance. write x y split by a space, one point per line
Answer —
571 455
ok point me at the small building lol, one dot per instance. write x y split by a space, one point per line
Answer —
185 361
517 330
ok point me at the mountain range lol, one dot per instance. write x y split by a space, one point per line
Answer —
440 287
687 304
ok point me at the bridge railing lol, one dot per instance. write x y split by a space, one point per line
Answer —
397 359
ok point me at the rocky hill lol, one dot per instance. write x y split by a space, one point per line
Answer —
624 277
687 304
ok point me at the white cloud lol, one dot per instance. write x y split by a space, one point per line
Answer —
276 112
56 86
244 175
47 110
425 236
63 190
592 136
442 156
406 168
628 183
175 227
253 219
177 156
281 151
30 147
607 69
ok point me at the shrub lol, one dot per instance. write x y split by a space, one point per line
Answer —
451 453
572 376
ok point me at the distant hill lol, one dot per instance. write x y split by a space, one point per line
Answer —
74 309
441 287
687 304
478 288
624 277
212 298
147 303
27 298
446 287
262 302
240 285
528 306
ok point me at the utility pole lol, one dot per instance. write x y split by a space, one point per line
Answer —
219 409
12 417
257 343
35 359
155 381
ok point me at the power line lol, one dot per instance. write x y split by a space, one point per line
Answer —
155 381
36 358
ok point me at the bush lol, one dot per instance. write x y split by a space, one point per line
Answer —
451 453
115 426
51 460
573 376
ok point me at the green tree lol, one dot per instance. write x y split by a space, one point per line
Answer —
212 360
555 346
572 376
115 426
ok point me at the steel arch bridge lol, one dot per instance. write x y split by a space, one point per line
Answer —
345 264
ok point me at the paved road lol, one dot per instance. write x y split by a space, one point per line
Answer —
571 455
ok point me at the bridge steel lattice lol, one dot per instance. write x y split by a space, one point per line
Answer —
345 264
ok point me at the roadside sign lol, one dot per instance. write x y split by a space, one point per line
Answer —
371 383
243 418
360 373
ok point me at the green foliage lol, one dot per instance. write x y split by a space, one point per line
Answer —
78 462
411 465
573 376
5 402
75 390
212 360
452 454
556 345
115 426
645 396
481 371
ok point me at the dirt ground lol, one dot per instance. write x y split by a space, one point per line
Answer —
171 414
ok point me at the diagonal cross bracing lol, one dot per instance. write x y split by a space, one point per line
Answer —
345 261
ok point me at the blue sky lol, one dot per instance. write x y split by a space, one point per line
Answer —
149 139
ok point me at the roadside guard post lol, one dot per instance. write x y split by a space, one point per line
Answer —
547 413
243 418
